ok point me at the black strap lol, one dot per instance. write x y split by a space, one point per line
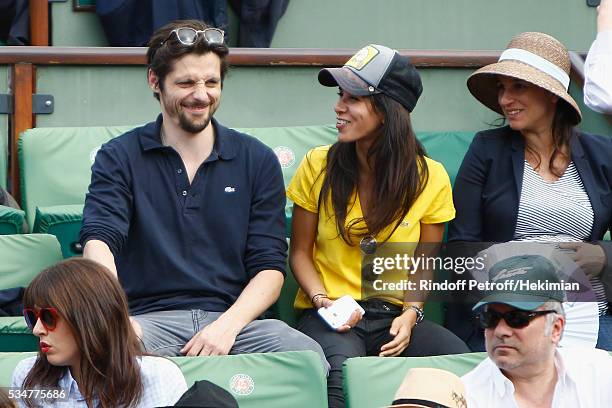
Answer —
425 403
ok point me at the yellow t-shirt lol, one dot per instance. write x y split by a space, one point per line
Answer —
339 264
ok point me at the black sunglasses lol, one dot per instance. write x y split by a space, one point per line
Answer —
489 318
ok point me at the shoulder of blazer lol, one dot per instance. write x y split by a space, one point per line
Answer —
496 141
595 147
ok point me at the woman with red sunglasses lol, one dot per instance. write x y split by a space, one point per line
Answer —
89 353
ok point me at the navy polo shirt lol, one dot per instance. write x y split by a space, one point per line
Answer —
182 246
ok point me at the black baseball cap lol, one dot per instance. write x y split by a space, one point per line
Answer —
377 69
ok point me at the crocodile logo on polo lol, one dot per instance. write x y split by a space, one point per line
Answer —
285 156
242 384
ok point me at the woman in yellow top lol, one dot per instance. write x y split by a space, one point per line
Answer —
375 185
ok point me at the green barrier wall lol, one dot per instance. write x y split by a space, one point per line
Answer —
74 29
441 24
4 86
257 97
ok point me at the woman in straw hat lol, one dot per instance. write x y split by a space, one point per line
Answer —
89 355
538 178
373 186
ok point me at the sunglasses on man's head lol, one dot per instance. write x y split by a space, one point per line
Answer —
189 36
489 318
48 317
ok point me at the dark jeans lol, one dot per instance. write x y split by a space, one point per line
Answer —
366 339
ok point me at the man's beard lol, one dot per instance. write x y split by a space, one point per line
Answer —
191 126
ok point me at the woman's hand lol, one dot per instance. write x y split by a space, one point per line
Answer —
352 321
401 330
590 257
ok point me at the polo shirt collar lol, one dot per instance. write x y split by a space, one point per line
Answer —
225 147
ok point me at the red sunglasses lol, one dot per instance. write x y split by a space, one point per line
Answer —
48 317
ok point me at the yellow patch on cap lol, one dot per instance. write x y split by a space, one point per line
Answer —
362 58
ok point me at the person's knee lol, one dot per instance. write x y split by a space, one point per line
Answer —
294 340
430 339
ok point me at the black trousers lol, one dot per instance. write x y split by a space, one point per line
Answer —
366 339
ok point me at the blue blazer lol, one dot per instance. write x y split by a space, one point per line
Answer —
488 188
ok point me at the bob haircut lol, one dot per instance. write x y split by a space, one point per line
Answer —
94 306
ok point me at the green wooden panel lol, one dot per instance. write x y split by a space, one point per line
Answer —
4 130
419 24
258 97
75 29
96 95
440 24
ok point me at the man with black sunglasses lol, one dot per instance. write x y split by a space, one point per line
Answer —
525 367
190 215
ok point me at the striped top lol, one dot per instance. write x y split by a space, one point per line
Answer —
558 211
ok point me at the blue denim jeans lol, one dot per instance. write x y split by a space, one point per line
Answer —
165 333
604 338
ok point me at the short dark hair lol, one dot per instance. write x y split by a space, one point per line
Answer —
165 49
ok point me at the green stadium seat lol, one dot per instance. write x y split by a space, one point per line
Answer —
8 362
372 381
272 380
23 257
11 220
55 170
288 379
291 144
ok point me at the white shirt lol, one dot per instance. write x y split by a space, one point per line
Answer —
162 380
584 380
598 74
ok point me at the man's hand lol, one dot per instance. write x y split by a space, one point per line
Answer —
590 257
216 339
401 330
604 16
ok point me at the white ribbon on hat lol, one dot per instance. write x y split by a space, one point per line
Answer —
538 62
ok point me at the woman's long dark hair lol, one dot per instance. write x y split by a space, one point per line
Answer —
400 174
94 306
562 129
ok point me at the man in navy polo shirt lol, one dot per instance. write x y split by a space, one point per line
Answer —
190 214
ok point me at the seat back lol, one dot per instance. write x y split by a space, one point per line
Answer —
23 257
55 164
372 381
287 379
270 380
11 220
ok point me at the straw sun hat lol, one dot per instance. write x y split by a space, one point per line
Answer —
536 58
430 387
